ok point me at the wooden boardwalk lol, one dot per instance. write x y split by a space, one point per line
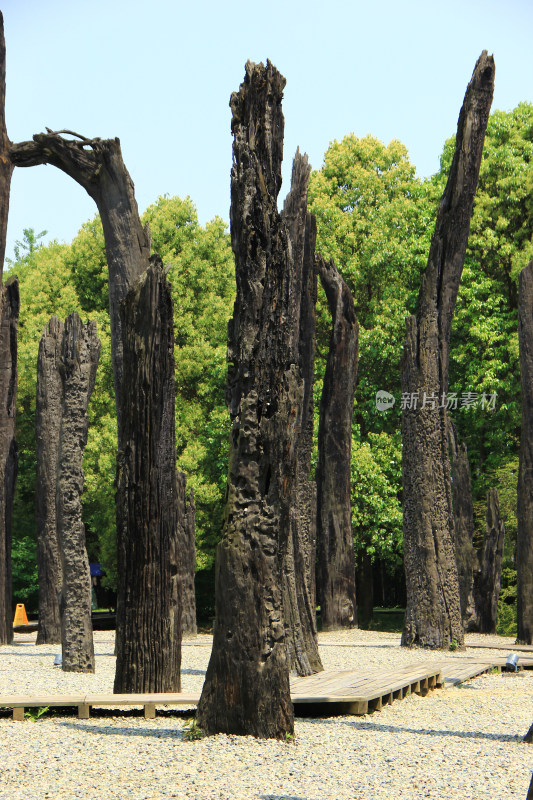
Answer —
326 693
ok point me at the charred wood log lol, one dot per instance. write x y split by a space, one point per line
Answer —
524 545
80 351
48 409
9 313
246 690
9 305
463 510
187 554
149 648
299 603
433 612
336 558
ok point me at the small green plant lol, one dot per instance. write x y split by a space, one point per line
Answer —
34 715
191 731
454 644
289 737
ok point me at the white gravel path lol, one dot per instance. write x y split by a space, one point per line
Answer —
454 743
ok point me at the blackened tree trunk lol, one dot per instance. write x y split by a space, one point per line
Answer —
97 165
187 554
9 306
336 559
433 612
365 589
80 351
9 313
463 511
299 605
149 648
487 578
246 690
48 409
524 544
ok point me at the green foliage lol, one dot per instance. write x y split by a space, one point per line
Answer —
191 731
34 715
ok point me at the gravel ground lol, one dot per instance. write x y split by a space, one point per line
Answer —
454 743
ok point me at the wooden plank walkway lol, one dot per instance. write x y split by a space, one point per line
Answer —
328 692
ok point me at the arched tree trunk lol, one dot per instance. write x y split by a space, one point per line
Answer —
524 545
336 558
246 690
9 308
433 612
80 351
187 554
149 648
48 408
463 510
299 604
97 165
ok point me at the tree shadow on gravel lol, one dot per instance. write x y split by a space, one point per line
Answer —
378 728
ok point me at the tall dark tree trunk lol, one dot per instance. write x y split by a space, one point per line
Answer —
9 313
9 307
299 605
48 408
524 545
463 510
365 589
97 165
149 649
433 612
246 690
487 578
80 351
336 558
187 554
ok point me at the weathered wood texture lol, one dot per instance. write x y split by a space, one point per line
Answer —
48 409
97 165
246 690
149 647
336 559
9 303
80 351
9 313
487 576
187 554
299 605
524 545
433 612
463 514
6 167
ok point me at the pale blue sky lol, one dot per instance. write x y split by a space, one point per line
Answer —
158 74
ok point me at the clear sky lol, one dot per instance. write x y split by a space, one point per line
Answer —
159 73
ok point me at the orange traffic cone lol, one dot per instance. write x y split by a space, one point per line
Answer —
21 617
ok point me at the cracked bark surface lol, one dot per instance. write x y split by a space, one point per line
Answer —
246 690
9 308
149 647
187 554
487 576
48 408
80 351
433 611
336 558
463 511
299 595
524 544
